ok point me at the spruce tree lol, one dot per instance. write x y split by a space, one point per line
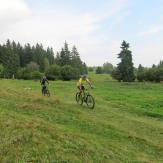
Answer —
125 67
68 56
76 61
50 55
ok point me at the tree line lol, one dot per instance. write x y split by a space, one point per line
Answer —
125 70
153 74
32 61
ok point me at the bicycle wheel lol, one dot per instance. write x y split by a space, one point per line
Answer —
48 93
90 102
43 92
79 98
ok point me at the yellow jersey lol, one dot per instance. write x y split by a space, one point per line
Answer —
83 81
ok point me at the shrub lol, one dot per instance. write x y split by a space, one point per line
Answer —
76 73
151 74
99 70
36 75
90 69
1 70
107 68
32 66
53 72
67 72
23 73
116 74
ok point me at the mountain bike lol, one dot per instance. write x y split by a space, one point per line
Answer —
45 91
86 97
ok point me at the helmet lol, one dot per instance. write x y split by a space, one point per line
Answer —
84 76
44 77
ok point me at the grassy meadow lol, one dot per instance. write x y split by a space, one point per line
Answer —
125 126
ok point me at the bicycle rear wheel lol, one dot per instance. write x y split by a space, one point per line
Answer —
48 93
79 98
43 92
90 102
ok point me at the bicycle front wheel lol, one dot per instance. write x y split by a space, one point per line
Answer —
90 102
79 98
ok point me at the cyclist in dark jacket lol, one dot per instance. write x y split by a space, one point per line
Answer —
43 82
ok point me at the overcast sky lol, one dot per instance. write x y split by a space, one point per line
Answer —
96 27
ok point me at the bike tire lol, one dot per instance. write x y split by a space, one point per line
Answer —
90 101
43 92
79 98
48 93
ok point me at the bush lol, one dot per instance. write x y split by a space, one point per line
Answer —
1 70
32 66
23 73
161 73
67 72
116 74
151 74
53 72
99 70
107 68
75 73
36 75
51 77
141 76
90 69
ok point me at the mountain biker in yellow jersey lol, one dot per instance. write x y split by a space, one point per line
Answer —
82 82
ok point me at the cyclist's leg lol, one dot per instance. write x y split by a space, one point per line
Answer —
43 88
83 90
79 88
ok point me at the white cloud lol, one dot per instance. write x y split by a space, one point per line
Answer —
12 12
148 54
51 27
154 29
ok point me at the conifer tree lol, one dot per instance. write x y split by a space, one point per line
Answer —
125 67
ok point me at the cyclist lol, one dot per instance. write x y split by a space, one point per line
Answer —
82 82
43 82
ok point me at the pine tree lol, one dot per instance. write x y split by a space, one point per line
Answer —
140 68
62 60
27 55
84 68
125 67
46 64
160 64
1 70
50 55
20 52
10 59
58 59
76 61
67 54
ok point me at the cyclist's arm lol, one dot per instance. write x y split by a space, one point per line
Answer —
47 81
89 83
80 82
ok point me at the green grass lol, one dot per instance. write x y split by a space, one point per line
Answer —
125 126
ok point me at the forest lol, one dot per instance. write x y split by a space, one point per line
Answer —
32 61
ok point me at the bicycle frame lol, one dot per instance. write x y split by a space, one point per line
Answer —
85 93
